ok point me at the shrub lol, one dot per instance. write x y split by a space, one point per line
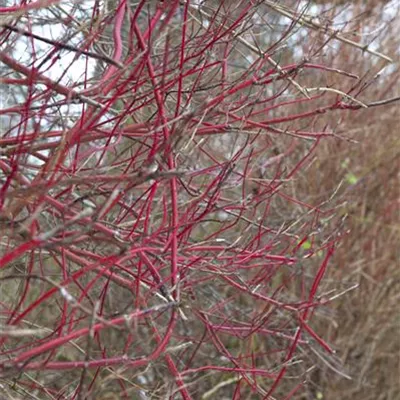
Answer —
154 241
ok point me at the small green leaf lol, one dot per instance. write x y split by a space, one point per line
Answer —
351 178
306 245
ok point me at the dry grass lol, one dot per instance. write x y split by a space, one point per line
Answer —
364 324
365 327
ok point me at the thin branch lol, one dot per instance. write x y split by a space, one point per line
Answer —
63 46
